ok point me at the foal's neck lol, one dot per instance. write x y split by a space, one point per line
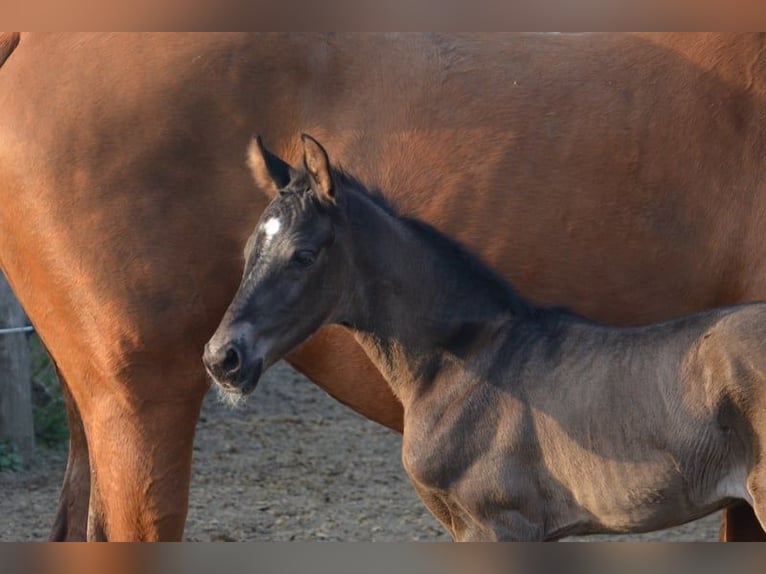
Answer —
418 296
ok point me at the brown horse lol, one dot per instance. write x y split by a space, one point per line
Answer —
622 177
521 423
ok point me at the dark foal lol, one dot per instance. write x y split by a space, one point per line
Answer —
521 423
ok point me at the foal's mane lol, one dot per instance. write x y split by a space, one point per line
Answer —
478 275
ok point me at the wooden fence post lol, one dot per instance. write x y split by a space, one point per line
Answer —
16 423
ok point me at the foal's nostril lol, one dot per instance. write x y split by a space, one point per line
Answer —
231 360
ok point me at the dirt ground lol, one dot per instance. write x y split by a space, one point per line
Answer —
292 464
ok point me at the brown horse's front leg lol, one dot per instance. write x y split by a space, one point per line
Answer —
739 524
71 519
140 460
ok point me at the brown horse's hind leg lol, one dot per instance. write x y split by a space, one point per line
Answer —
740 524
743 523
72 515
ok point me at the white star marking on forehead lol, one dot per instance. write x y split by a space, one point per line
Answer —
271 227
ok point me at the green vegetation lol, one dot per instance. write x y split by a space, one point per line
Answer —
49 411
9 457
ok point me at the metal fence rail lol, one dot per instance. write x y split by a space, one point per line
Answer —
12 330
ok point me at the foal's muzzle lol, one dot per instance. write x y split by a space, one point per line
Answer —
229 368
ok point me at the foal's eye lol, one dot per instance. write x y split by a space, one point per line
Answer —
304 258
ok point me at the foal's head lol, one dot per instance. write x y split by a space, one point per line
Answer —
295 269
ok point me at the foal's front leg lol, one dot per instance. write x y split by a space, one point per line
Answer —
506 526
436 506
464 526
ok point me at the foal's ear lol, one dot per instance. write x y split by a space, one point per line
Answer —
318 166
269 172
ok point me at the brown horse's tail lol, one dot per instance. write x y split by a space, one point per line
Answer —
8 43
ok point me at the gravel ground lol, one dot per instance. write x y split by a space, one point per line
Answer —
292 464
